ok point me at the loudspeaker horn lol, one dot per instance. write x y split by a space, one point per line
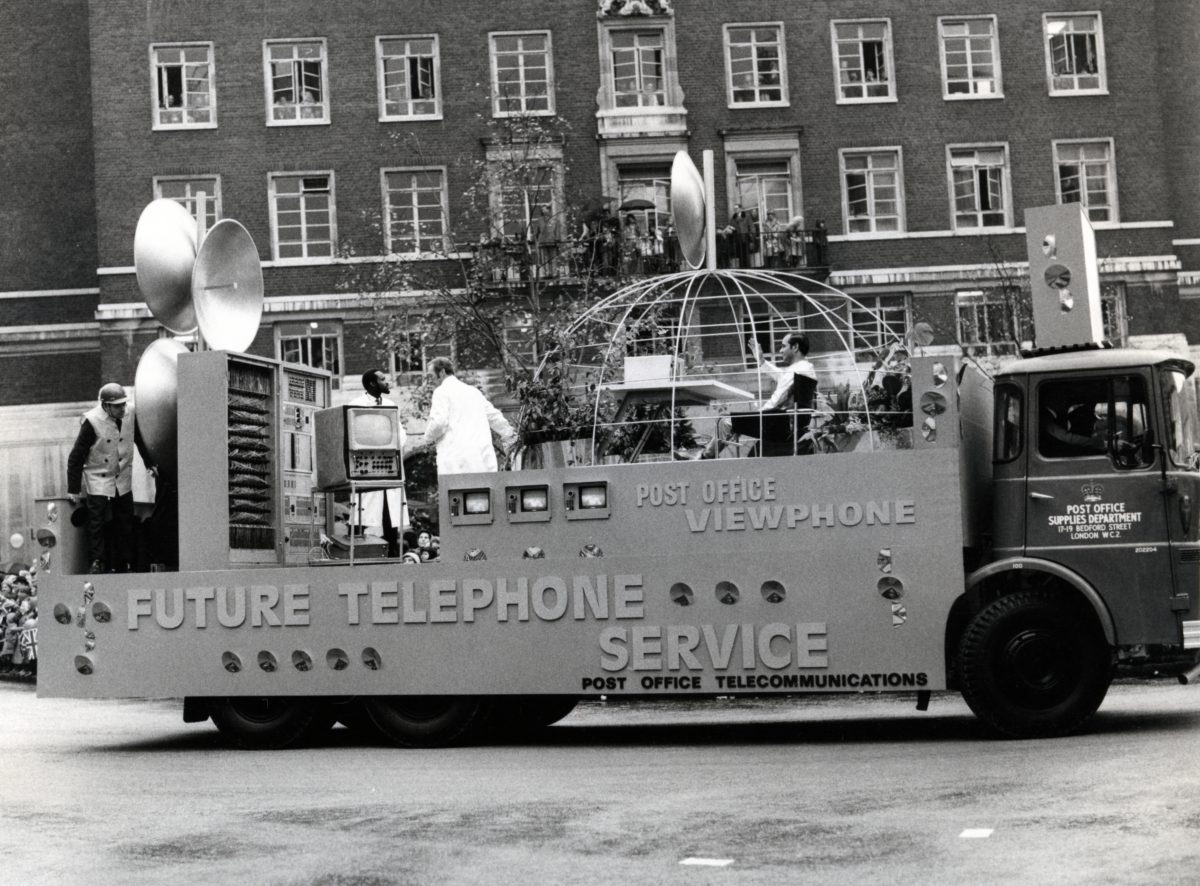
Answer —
156 389
164 252
687 208
227 287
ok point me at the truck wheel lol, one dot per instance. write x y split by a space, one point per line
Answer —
1032 667
426 721
540 711
268 723
519 716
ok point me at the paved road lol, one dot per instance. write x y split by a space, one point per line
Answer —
860 789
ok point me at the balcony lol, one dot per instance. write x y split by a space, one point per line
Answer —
510 263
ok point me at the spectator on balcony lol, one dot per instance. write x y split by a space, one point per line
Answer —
631 238
543 236
795 242
757 255
743 230
772 241
820 245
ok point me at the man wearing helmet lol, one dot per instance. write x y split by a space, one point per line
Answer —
101 465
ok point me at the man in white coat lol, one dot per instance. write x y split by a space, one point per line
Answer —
461 424
384 512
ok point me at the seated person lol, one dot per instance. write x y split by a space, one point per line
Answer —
783 419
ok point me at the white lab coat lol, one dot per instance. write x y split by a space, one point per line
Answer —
372 502
461 423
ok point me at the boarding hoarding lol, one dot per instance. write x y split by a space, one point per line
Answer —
772 575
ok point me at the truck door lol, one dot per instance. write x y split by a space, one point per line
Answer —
1094 496
1180 447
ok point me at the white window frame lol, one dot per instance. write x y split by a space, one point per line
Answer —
442 240
868 307
306 258
205 100
523 100
307 331
549 157
315 114
1101 68
889 62
672 94
1005 188
1110 173
428 351
977 301
381 78
187 200
901 224
519 330
780 44
997 79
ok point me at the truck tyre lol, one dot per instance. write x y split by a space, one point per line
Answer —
519 716
1032 666
426 721
540 711
268 723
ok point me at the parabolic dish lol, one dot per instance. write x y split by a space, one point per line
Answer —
156 390
164 251
227 287
687 208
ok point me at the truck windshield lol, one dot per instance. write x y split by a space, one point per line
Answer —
1179 395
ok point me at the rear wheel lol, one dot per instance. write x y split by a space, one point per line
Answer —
268 723
1033 666
426 721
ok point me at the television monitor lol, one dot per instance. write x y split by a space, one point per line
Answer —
357 443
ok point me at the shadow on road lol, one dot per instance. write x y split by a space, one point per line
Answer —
575 731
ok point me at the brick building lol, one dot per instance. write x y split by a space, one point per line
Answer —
914 136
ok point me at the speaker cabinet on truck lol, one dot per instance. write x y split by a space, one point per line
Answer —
246 460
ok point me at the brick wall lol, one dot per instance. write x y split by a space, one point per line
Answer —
47 214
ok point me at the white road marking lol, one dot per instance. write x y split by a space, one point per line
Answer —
976 833
709 862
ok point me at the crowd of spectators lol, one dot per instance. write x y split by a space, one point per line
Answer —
644 241
18 624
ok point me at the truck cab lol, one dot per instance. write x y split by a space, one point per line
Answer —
1095 541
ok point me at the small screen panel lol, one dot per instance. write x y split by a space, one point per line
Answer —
535 499
477 502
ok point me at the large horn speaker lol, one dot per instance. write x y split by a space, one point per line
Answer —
687 208
164 252
227 287
156 388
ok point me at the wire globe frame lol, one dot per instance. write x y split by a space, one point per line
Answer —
703 320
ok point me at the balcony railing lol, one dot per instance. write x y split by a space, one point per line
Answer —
644 255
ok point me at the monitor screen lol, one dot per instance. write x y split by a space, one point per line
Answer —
477 502
593 496
535 499
373 429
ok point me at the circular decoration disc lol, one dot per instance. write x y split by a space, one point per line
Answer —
687 208
227 287
164 251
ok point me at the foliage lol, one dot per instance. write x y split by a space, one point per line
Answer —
507 262
883 403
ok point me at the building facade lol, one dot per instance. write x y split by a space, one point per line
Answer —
911 136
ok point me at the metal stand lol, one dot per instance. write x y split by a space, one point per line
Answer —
356 488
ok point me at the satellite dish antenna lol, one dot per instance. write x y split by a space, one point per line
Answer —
227 287
688 209
156 386
164 252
